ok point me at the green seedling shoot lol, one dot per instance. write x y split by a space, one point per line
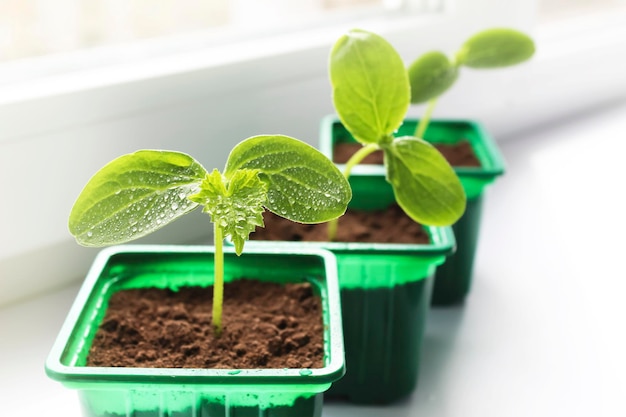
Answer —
138 193
371 95
434 73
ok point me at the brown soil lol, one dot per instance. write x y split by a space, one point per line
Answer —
384 226
459 154
343 151
266 325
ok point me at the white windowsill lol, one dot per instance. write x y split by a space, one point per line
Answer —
541 333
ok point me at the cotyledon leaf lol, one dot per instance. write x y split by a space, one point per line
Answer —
430 76
303 184
497 47
134 195
424 183
371 91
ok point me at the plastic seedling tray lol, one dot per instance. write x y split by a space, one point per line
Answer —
108 391
453 279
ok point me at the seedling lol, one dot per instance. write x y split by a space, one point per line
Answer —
137 194
371 95
434 73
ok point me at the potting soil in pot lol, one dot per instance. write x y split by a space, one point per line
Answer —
458 154
382 226
266 325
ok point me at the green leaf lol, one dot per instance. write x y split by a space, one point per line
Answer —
424 183
134 195
304 185
430 76
371 90
235 204
499 47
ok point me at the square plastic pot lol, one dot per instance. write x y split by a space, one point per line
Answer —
156 392
385 297
454 278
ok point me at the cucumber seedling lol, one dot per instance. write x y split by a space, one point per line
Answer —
137 194
371 95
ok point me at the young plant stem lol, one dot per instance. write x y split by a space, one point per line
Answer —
425 120
354 160
218 279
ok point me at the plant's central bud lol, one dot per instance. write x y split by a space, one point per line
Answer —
235 204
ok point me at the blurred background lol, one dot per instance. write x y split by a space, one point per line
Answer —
31 28
83 81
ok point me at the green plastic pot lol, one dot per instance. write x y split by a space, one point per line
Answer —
385 297
148 392
454 278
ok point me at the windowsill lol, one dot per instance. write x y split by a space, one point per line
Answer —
540 334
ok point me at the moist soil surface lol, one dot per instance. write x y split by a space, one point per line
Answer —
383 226
266 325
458 154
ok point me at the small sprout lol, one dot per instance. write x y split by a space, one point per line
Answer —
137 194
433 73
371 94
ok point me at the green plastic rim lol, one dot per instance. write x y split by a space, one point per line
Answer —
317 265
474 179
410 261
